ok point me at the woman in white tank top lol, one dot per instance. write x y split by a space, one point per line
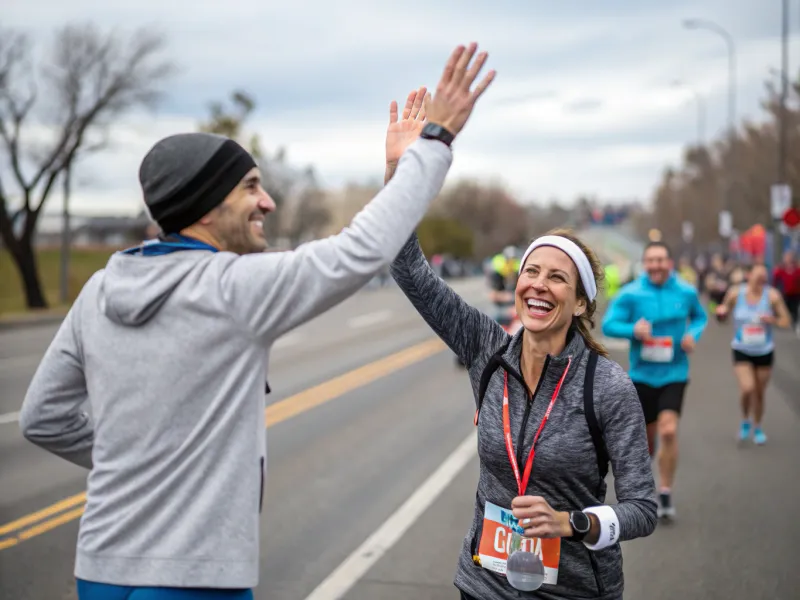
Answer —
756 308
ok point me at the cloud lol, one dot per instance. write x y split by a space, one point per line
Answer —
583 101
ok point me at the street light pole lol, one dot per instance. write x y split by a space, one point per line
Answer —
783 127
719 30
701 111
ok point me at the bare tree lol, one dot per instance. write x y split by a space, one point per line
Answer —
230 122
490 212
694 191
90 80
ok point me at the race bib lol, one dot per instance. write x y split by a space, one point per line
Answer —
658 350
754 335
498 524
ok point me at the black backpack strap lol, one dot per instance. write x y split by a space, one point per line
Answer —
591 418
495 361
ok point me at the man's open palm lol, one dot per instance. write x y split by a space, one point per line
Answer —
402 132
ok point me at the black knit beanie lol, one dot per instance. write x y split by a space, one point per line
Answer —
184 176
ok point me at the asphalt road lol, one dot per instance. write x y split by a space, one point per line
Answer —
371 474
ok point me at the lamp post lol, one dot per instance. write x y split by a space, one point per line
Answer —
701 110
729 41
783 126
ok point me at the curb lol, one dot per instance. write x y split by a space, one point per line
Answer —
28 321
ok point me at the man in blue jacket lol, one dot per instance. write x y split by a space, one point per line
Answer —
663 318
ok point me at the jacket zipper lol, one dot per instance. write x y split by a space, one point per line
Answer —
527 414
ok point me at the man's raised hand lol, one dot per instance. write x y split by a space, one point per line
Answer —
453 101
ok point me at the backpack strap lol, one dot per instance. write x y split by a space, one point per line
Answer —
495 361
591 418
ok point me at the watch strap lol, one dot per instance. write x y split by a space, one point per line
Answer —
432 131
577 535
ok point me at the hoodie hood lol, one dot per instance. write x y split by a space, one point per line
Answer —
134 287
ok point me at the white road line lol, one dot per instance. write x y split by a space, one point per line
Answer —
369 319
15 362
288 340
9 418
387 535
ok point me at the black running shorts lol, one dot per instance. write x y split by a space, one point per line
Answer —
656 399
765 360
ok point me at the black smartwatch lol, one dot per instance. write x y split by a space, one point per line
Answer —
432 131
581 525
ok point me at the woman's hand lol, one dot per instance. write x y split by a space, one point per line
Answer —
539 519
721 312
403 132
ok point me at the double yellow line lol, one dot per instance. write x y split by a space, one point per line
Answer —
71 508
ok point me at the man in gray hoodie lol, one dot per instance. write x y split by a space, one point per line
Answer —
170 343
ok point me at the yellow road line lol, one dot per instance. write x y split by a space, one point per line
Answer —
8 543
320 394
274 414
45 512
51 524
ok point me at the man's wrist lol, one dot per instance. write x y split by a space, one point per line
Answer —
439 132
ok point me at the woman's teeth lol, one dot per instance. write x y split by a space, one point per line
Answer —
540 306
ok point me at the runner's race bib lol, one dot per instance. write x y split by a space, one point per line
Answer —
498 524
754 335
658 350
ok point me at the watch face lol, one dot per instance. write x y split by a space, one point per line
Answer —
580 521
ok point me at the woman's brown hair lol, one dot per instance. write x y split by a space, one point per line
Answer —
585 323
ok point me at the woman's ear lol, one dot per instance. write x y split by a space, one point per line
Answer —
580 307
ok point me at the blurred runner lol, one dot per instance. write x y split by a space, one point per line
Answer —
687 272
613 280
502 283
663 318
786 280
756 308
716 281
169 345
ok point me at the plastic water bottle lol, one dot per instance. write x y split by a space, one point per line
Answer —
524 570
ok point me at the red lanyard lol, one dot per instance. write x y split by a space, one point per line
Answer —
522 483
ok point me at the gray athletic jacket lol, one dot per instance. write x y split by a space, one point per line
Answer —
565 470
171 352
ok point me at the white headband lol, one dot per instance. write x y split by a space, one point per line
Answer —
574 252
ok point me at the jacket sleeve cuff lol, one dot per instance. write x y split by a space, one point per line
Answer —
609 526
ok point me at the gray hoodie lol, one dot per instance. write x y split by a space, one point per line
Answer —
171 353
565 469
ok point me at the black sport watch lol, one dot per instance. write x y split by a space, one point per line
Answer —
581 525
432 131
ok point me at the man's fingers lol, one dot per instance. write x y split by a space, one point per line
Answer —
450 67
423 114
481 87
474 69
409 104
419 98
463 63
393 112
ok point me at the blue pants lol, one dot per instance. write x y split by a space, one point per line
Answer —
88 590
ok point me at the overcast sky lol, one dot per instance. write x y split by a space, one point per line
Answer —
582 104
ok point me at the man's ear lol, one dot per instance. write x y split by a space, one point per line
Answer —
209 217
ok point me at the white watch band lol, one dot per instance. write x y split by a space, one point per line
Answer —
609 526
